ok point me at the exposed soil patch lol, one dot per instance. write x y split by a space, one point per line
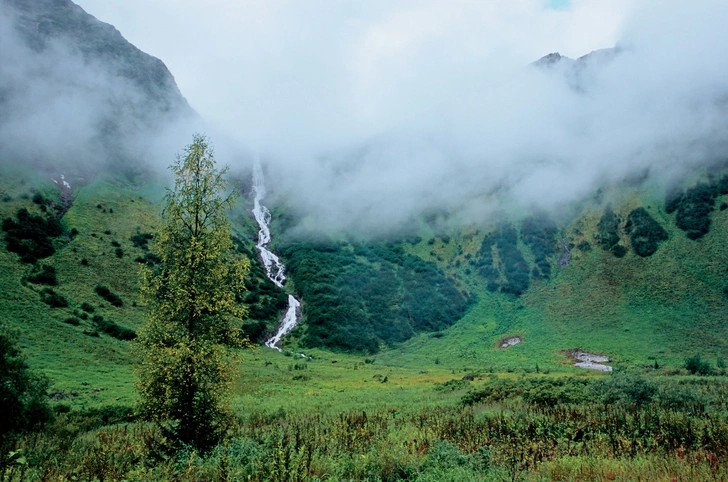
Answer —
509 341
591 361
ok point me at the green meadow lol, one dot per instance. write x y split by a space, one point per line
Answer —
444 402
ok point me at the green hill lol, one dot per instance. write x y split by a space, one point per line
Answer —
432 354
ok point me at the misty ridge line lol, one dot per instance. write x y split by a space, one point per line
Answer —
75 93
467 147
549 135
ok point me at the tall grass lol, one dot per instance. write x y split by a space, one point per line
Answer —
502 440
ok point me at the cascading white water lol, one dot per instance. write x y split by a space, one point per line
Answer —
274 269
273 266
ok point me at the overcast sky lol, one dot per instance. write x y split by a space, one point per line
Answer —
255 67
371 113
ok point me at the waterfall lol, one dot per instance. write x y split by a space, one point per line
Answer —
274 269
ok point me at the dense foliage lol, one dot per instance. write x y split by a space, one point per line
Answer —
645 233
512 274
693 206
486 264
622 427
31 235
539 234
23 400
357 296
608 235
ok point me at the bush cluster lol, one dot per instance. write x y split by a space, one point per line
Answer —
149 259
31 235
514 265
486 265
108 295
608 236
697 366
141 240
43 275
112 329
693 210
23 396
538 232
693 207
359 296
645 233
53 299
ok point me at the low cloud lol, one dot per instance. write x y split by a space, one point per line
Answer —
372 116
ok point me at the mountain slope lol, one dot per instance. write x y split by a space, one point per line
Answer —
73 89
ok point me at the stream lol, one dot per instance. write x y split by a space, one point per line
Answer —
274 269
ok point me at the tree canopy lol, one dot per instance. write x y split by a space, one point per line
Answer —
185 362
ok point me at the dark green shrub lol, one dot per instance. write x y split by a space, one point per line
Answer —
114 330
72 321
550 393
697 366
693 209
452 385
151 260
141 240
31 236
539 234
608 226
625 388
514 265
645 233
119 252
53 299
115 244
444 455
87 307
23 399
619 251
106 294
486 266
43 275
361 295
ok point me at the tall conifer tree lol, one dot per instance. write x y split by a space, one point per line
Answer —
185 363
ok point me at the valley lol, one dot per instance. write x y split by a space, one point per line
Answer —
448 274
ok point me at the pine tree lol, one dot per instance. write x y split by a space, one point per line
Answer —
185 357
